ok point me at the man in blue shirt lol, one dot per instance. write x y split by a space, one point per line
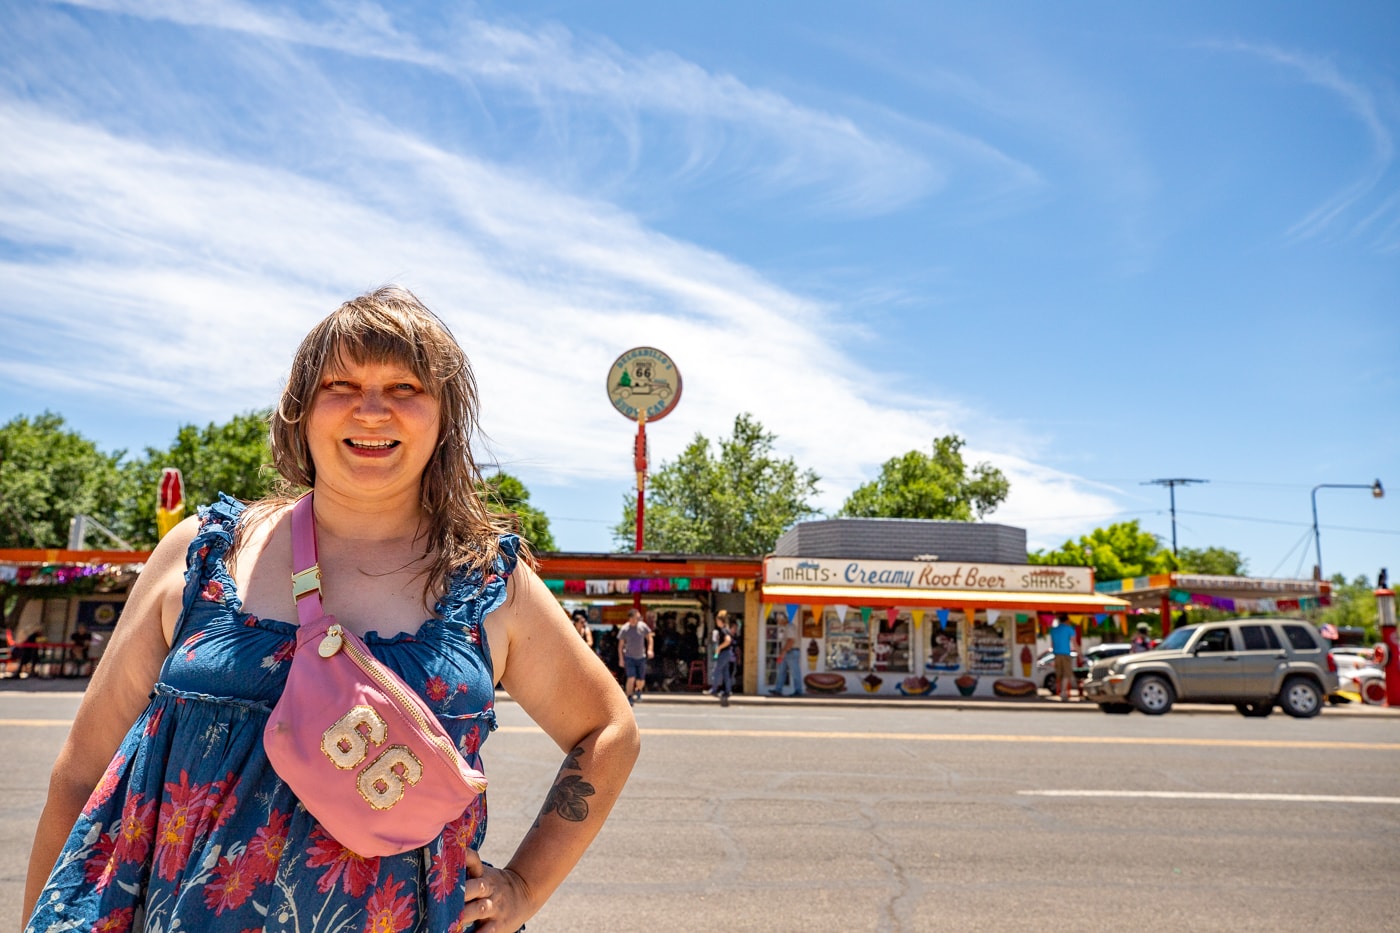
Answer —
1062 638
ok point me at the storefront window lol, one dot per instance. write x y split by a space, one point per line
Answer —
812 628
892 644
847 642
772 643
943 652
989 646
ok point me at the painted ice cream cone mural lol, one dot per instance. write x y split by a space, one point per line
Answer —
1026 661
170 501
812 651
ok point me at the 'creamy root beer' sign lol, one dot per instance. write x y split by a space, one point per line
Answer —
927 575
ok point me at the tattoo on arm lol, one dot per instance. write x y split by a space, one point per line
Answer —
569 795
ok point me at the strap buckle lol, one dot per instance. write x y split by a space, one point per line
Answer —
305 582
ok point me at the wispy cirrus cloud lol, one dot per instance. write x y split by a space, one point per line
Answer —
1380 220
176 274
182 281
719 123
184 257
1045 128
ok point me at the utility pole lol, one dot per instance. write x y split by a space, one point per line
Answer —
1171 485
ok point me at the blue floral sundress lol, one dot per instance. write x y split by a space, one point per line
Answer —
190 829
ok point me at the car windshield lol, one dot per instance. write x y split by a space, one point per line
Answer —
1178 638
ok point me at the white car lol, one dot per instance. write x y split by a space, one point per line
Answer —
1044 675
1358 673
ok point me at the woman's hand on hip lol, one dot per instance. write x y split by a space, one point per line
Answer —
498 900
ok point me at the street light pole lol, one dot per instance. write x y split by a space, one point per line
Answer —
1377 492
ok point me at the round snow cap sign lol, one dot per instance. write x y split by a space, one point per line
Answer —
644 379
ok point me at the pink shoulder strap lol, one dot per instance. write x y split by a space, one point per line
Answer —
306 571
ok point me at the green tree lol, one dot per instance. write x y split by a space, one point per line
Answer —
232 458
48 474
507 495
736 503
1121 550
1211 560
937 485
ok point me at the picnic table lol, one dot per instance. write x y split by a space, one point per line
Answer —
46 659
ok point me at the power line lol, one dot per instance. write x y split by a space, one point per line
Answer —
1171 485
1302 558
1214 482
1284 559
1277 521
1098 516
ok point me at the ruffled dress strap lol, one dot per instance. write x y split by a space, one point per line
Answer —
472 596
493 587
204 560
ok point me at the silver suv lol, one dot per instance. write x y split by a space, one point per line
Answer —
1253 663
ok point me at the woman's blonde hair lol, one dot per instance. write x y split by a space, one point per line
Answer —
390 324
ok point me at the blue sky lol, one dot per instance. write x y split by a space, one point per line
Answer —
1104 242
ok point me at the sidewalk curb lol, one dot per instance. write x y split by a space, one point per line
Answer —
1038 704
1035 705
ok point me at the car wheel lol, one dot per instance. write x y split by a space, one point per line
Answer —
1117 709
1255 710
1051 682
1373 691
1300 698
1152 695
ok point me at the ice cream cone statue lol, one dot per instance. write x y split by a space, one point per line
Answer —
170 501
1026 660
812 651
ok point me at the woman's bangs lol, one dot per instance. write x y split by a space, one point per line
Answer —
372 347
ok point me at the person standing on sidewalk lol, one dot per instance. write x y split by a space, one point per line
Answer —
635 644
1062 638
580 618
789 660
722 675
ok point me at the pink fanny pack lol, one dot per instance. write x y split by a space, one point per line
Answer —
359 748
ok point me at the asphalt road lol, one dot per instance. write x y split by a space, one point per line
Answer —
772 816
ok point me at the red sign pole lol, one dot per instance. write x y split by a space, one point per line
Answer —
639 463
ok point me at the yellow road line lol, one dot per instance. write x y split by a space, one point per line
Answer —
983 737
36 722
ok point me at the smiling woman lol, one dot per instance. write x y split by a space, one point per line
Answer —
164 803
372 426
